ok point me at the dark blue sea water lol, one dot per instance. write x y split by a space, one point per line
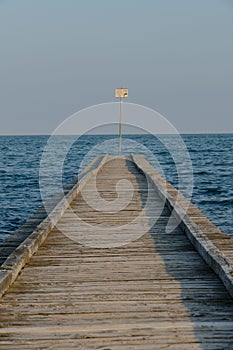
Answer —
211 155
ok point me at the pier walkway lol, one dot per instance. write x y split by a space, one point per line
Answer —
95 279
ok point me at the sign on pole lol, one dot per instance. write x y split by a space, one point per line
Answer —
121 93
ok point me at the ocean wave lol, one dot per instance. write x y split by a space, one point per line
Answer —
213 190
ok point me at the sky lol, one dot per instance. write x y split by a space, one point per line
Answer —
60 56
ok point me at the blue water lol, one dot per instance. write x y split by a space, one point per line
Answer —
211 155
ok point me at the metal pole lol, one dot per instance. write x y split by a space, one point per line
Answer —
120 127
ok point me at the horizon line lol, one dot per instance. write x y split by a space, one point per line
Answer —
116 134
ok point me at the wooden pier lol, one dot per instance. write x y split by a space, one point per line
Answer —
161 289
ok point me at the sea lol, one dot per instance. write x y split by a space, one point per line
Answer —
203 164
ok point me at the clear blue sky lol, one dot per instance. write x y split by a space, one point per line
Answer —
58 56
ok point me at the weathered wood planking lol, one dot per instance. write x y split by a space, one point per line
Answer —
32 234
214 246
153 293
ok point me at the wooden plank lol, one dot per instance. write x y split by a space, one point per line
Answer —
215 247
156 292
55 208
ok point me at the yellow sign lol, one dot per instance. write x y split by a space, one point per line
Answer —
121 93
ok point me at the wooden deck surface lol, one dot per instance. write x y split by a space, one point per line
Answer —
153 293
